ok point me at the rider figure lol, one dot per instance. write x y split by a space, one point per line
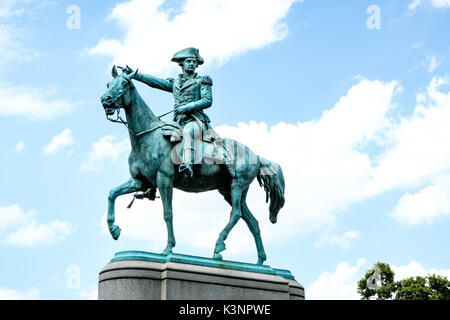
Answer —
192 93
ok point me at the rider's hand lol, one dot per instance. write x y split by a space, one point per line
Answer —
183 109
127 70
180 110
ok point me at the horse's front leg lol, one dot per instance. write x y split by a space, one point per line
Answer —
165 187
131 185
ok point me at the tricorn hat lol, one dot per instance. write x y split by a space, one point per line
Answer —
187 53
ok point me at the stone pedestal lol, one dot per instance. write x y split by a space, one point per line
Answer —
141 275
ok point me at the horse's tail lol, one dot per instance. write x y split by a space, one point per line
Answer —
270 176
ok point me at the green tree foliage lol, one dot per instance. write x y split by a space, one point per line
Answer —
440 287
378 283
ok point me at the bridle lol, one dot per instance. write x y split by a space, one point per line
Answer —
119 119
117 110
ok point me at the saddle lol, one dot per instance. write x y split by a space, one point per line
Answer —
214 150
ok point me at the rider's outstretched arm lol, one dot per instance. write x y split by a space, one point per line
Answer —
155 82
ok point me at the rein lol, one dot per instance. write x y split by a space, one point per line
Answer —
119 119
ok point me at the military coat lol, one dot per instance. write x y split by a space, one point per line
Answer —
195 89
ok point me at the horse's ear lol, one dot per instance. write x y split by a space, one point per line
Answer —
114 72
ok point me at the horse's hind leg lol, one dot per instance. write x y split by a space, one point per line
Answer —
253 225
127 187
235 215
165 187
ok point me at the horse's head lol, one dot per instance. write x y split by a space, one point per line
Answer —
118 94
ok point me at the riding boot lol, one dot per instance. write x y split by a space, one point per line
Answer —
186 164
192 142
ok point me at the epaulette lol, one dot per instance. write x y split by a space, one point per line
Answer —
206 80
171 80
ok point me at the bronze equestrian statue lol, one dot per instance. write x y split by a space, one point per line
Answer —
186 153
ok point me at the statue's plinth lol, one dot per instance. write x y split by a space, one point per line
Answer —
141 275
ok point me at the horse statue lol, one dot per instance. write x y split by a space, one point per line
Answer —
152 167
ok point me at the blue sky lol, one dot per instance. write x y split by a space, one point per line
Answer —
353 103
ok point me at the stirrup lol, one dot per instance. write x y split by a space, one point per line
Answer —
150 194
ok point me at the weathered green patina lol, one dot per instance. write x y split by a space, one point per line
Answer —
154 155
201 261
191 94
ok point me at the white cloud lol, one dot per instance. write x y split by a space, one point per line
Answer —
343 241
11 48
7 9
414 4
432 63
13 38
17 8
37 234
61 140
415 269
221 29
105 149
13 216
418 155
417 149
19 146
340 285
21 228
33 103
441 3
425 205
11 294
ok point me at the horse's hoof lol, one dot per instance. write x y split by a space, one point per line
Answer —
166 251
220 246
217 256
115 232
261 259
